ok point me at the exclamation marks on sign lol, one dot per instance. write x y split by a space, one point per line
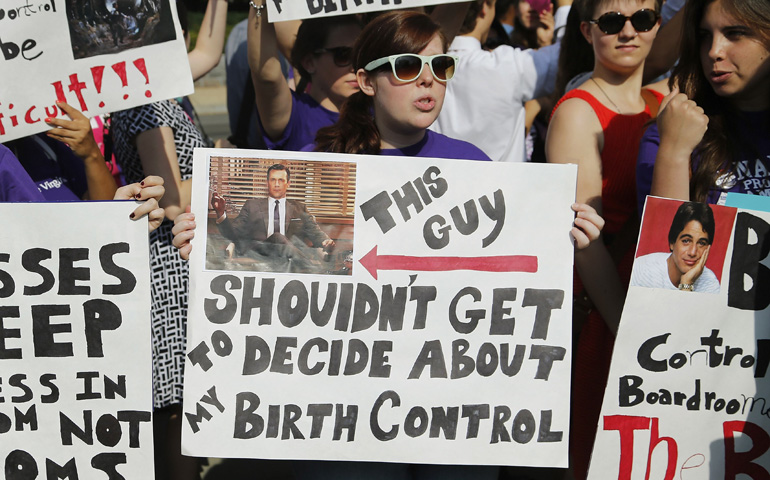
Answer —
140 65
102 85
98 74
120 69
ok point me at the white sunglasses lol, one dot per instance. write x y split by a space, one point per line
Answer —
407 67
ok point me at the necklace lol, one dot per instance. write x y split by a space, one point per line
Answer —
605 94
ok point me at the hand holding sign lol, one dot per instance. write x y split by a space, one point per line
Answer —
150 190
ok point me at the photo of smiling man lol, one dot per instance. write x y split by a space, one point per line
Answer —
684 266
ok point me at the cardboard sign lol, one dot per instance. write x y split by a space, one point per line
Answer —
282 10
687 395
75 359
435 330
98 56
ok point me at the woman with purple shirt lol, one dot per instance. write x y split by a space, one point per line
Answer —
321 53
712 138
402 68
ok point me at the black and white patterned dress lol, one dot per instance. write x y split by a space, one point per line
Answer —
168 270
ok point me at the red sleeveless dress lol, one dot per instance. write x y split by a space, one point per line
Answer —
622 134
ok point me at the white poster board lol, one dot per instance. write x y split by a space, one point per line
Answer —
687 395
438 332
75 358
97 56
282 10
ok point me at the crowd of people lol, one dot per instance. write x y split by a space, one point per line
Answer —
648 97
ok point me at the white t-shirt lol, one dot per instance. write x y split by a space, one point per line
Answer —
484 102
651 271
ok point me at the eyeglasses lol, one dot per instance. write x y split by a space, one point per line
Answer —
407 67
613 22
340 55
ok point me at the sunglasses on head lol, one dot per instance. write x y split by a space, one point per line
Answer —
340 55
613 22
408 67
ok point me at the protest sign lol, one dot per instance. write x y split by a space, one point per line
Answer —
75 359
282 10
687 395
98 56
436 330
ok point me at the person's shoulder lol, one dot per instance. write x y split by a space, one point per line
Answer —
648 269
649 260
575 112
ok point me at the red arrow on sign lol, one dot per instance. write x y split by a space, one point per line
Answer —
505 263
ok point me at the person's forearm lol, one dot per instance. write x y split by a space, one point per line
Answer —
450 16
271 93
211 39
286 35
101 183
176 203
671 174
665 49
602 282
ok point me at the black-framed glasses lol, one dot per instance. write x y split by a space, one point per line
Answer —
407 67
613 22
342 56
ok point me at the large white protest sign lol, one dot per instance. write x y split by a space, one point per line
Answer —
98 56
282 10
75 358
687 395
436 330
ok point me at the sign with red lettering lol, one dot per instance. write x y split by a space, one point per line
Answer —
75 357
282 10
393 309
98 56
687 395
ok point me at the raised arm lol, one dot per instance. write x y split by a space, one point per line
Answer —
286 35
575 136
665 48
157 152
77 134
450 16
211 39
681 124
271 92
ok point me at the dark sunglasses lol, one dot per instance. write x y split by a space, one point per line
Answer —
340 55
407 67
613 22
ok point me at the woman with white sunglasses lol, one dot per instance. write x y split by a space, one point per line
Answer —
402 69
598 126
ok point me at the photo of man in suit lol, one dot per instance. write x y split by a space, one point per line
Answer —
271 226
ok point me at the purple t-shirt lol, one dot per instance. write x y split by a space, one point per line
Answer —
752 167
60 175
15 184
307 116
436 145
433 145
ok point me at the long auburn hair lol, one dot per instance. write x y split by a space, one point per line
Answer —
388 34
723 137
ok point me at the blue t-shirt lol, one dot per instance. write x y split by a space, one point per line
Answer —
307 116
432 145
15 184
